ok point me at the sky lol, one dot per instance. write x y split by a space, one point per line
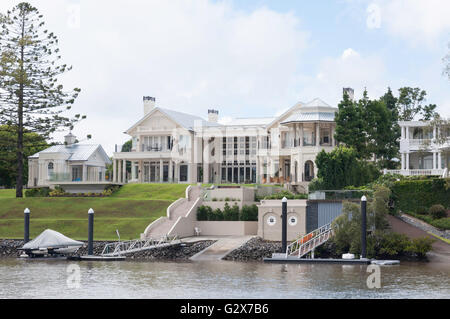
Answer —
245 58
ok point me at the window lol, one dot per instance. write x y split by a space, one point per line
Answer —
271 220
183 173
50 170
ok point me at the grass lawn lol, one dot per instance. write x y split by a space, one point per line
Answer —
130 211
7 193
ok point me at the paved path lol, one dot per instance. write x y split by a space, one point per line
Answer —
441 250
221 248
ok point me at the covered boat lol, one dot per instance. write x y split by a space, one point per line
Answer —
50 242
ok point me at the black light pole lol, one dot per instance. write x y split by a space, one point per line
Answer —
26 232
91 232
284 225
363 226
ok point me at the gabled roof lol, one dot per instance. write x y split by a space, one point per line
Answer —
185 120
291 109
317 103
314 111
75 152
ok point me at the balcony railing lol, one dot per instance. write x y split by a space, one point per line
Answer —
417 172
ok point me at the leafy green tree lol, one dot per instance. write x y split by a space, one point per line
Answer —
410 104
350 128
31 99
341 167
127 146
32 144
382 131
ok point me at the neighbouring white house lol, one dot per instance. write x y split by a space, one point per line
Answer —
75 167
420 154
175 147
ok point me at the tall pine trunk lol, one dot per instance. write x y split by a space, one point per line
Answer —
19 182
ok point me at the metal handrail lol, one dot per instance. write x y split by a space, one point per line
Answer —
306 243
118 248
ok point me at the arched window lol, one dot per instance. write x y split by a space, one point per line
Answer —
50 170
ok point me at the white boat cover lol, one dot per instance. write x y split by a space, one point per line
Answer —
51 239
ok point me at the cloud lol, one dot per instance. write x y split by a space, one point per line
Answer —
349 69
417 21
191 55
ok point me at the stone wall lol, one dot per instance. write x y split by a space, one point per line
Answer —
255 249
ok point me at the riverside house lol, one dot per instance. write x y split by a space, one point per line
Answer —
420 154
75 167
175 147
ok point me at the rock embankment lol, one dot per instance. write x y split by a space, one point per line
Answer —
255 249
8 248
182 251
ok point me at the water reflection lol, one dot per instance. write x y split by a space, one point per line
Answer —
130 279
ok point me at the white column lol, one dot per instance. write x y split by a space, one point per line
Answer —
317 134
407 160
301 135
407 132
124 171
403 160
439 160
114 172
84 173
170 171
205 173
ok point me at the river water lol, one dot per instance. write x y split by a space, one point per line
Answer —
220 279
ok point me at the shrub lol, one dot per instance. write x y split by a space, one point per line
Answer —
210 214
218 214
202 213
437 212
393 244
249 213
286 194
421 210
57 192
227 199
420 246
38 192
214 199
231 213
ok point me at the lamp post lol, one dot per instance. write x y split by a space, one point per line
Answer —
363 226
91 232
26 233
284 224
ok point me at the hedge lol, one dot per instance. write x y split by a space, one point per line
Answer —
248 213
408 195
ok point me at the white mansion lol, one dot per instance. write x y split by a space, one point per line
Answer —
170 146
419 152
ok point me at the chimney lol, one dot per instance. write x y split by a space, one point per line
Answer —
149 104
350 93
70 139
213 116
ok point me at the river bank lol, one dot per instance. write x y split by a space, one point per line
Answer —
181 251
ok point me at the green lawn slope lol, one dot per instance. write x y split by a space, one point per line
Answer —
130 210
